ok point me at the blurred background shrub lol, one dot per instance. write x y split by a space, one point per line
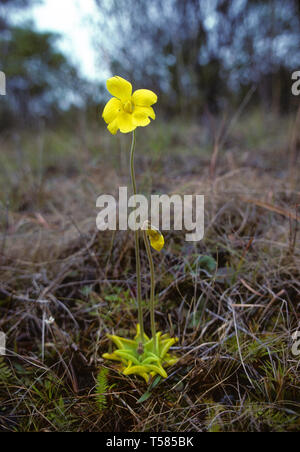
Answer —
201 57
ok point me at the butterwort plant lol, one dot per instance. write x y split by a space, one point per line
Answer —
142 355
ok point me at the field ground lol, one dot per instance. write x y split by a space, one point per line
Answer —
231 299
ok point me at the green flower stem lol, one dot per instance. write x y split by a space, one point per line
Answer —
152 294
137 248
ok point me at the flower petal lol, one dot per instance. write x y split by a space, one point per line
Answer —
156 239
141 115
111 110
143 112
119 88
144 98
126 123
141 122
158 244
113 127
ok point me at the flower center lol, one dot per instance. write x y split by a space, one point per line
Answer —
128 107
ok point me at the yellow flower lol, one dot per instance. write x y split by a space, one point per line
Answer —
156 238
127 111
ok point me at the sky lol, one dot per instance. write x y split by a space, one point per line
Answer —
75 21
72 19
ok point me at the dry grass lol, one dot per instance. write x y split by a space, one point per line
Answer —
235 322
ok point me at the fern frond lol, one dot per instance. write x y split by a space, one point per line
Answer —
102 388
5 372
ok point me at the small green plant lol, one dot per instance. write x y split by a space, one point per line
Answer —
147 359
102 388
5 372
